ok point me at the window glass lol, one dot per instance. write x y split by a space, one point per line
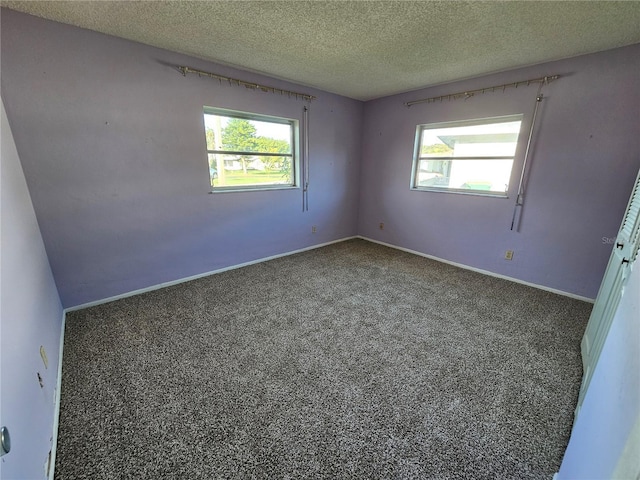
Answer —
249 151
466 157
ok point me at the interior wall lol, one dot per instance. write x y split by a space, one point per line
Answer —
30 317
111 139
612 404
581 170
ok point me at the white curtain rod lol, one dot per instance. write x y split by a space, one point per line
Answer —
251 85
471 93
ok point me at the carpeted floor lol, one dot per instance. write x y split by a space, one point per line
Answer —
349 361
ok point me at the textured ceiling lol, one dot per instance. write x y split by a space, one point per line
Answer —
360 49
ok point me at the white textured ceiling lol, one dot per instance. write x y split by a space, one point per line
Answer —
360 49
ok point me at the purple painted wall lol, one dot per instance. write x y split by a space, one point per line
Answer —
581 171
30 316
112 144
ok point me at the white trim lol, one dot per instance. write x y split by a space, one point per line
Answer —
484 272
254 188
555 476
201 275
56 413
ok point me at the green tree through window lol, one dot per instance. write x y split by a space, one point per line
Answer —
240 136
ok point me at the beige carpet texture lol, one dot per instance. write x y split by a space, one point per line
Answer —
351 361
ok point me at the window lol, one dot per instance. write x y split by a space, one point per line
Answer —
247 151
473 156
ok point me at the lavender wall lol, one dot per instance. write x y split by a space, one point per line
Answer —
30 316
112 144
582 168
612 404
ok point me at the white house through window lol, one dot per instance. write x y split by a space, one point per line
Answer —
474 156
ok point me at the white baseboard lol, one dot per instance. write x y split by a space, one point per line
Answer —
479 270
56 413
320 245
201 275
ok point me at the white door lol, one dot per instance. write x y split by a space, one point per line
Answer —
625 252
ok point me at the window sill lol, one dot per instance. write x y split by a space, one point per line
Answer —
477 193
260 188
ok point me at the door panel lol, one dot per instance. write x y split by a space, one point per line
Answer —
624 254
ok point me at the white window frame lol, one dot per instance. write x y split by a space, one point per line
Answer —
417 157
295 149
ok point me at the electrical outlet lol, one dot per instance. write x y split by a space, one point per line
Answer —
508 255
381 225
313 229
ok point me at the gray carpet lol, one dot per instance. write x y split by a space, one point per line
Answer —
349 361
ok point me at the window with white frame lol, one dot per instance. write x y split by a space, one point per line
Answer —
474 156
247 151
